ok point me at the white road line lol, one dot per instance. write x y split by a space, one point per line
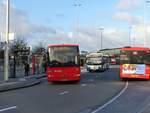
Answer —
10 108
83 85
143 108
65 92
22 80
91 80
11 83
113 99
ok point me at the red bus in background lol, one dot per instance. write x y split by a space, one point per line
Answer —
135 63
63 63
113 59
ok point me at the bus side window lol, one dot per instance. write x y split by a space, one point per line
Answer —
146 59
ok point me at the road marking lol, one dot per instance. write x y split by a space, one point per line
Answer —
83 85
113 99
22 80
65 92
143 108
91 80
10 108
96 76
8 83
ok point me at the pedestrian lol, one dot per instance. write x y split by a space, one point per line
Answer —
37 68
26 67
11 71
43 66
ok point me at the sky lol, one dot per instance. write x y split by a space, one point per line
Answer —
124 22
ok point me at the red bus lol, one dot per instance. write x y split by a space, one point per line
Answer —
63 62
113 59
135 63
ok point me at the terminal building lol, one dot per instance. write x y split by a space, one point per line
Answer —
110 52
114 54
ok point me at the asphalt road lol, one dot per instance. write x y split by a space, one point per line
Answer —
135 99
94 90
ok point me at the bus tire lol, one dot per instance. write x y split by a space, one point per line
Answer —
122 79
77 81
90 70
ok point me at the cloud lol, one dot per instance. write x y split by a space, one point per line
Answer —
140 34
125 15
20 23
128 4
88 38
128 18
113 37
138 31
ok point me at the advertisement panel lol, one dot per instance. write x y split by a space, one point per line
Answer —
134 68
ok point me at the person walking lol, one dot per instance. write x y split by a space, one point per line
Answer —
43 66
11 71
26 67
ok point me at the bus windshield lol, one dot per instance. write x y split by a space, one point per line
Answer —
134 57
92 61
63 56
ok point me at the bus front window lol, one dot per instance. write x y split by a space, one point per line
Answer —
63 56
92 61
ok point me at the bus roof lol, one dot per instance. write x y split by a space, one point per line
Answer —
94 55
58 45
135 49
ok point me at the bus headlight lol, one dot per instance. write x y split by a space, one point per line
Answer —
49 71
77 75
49 75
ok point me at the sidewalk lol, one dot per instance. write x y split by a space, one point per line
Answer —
20 81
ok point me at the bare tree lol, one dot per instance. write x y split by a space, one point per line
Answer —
39 48
18 43
16 49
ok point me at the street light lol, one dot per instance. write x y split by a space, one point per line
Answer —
101 38
145 26
130 29
6 59
77 5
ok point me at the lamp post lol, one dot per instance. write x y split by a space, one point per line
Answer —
77 5
101 37
6 58
145 26
130 29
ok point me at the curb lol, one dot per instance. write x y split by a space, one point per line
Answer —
41 76
22 83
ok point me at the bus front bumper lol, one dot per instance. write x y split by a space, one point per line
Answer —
64 78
